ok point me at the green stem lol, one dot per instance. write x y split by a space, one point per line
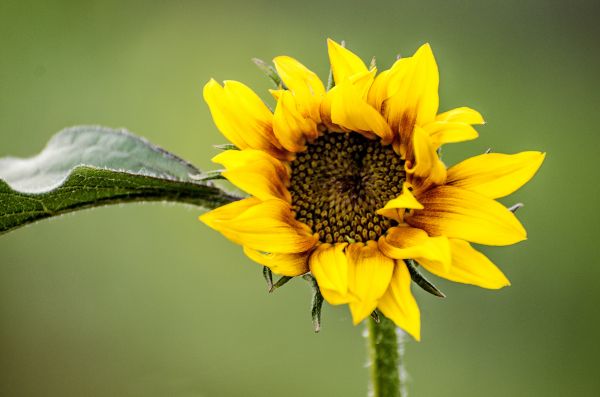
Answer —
385 352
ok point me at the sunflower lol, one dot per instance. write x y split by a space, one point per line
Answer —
347 183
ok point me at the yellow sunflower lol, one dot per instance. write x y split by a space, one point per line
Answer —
347 183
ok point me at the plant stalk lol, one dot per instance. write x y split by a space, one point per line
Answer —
385 344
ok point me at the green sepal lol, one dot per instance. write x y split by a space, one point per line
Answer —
420 280
226 146
373 63
268 275
316 301
375 316
515 207
281 282
211 175
270 71
330 82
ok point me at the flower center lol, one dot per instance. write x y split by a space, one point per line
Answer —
340 181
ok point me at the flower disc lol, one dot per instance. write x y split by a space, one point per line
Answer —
339 182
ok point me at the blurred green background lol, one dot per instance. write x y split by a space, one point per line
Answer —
144 300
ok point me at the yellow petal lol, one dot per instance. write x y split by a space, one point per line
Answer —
268 227
329 265
325 110
463 214
415 97
397 73
226 213
398 303
442 132
495 175
276 93
256 172
461 115
427 164
344 63
395 208
389 82
242 117
303 83
362 82
284 264
378 92
405 242
349 110
454 126
469 266
290 127
369 275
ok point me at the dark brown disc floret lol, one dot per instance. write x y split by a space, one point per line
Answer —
340 181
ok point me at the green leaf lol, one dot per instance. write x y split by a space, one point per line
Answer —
88 166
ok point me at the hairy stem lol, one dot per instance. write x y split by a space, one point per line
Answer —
385 353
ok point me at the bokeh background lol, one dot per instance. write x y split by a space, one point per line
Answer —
144 300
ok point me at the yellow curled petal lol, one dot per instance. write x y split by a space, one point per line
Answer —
442 132
388 82
397 73
454 126
256 172
362 82
398 303
325 110
378 91
226 213
344 63
290 127
303 83
350 111
284 264
329 265
469 266
268 227
242 117
276 93
369 275
405 242
461 115
395 208
413 90
463 214
495 175
427 164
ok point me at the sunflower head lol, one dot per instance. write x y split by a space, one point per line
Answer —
346 187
